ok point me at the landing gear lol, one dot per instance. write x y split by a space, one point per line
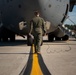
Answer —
12 37
5 39
50 37
57 38
29 40
6 35
0 38
65 38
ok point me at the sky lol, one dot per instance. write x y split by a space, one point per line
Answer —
72 17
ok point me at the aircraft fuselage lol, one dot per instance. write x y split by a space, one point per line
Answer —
13 12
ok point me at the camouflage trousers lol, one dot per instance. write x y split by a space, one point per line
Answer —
37 41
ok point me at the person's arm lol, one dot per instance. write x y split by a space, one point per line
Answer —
44 27
31 27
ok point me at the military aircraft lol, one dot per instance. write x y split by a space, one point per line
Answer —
15 16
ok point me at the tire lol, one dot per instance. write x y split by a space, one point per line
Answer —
0 39
5 39
12 37
29 40
50 37
65 38
57 38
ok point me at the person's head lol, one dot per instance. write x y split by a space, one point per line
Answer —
36 13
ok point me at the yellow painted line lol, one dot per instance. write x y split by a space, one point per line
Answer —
36 70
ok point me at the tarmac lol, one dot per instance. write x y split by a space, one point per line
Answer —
59 57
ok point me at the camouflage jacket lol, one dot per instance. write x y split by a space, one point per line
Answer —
37 25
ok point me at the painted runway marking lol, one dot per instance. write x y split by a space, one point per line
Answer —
35 65
36 70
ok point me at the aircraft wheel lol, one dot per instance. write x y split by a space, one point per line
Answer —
12 37
5 39
50 37
29 40
57 38
66 37
0 39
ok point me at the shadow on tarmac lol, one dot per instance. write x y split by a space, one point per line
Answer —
24 42
15 43
20 42
27 68
14 53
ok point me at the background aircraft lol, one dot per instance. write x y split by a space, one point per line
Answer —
15 16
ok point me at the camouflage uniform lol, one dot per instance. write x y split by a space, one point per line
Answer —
37 28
